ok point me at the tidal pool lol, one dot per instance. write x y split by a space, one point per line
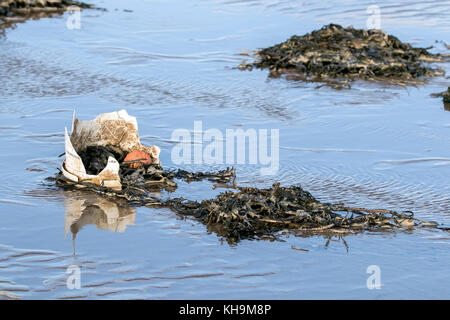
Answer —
173 63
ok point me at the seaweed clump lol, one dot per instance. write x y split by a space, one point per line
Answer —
244 212
12 11
257 213
336 52
446 96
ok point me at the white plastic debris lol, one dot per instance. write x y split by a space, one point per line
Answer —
115 128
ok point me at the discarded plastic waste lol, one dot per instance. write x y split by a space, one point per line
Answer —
115 129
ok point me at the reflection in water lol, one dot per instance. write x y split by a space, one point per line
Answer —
447 106
93 209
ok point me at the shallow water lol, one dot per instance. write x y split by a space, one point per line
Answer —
170 64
